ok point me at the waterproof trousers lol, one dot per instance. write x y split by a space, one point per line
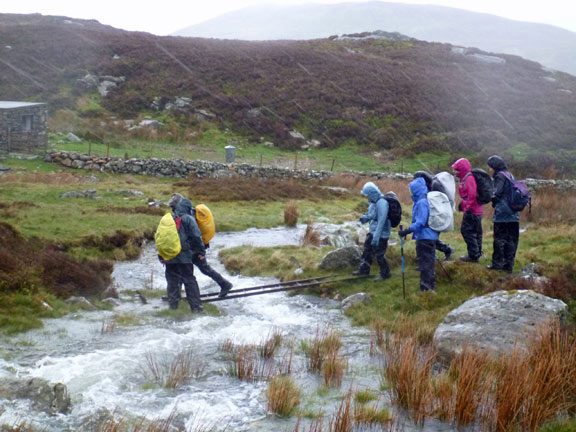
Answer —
506 235
445 248
205 268
182 273
370 253
426 254
471 230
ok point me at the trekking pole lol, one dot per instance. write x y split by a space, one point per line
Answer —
445 271
402 255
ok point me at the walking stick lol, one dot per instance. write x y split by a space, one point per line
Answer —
445 271
402 254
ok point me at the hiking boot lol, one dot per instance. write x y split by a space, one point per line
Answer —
173 306
382 278
448 254
468 259
197 309
164 298
493 267
225 289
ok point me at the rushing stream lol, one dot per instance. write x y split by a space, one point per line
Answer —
104 370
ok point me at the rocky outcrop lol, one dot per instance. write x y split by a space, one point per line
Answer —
495 322
45 397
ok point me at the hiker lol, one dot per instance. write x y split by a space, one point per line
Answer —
445 248
506 221
202 264
180 269
376 241
425 236
471 228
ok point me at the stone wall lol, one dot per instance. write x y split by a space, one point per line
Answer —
205 169
183 168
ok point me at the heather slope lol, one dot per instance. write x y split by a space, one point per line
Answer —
400 96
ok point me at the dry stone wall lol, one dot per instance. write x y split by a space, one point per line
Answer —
205 169
183 168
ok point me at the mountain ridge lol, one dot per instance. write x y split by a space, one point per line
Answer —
552 46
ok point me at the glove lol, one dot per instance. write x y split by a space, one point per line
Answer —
404 232
206 245
364 219
460 206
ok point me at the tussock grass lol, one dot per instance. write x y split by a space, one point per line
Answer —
326 342
283 396
311 236
268 348
408 373
333 369
291 214
175 371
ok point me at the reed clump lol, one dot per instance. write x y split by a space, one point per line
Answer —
311 235
283 396
325 342
268 348
173 372
291 213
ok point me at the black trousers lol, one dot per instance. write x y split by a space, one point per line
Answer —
471 230
426 254
205 268
506 235
443 247
182 273
370 253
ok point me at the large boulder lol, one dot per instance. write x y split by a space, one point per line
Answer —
51 399
348 256
495 322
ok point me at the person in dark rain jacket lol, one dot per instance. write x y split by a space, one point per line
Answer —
471 228
376 241
506 220
202 264
424 235
180 269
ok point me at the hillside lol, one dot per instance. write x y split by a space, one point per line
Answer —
552 46
400 96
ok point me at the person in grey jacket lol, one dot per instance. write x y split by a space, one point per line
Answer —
376 241
506 221
180 269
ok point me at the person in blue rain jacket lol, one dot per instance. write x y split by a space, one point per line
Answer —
376 242
425 236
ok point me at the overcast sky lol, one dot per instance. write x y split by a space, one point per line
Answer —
168 16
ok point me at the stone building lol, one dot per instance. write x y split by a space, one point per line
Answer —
23 126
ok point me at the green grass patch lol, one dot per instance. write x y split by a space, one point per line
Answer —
20 312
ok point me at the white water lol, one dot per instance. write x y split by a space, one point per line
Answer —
104 371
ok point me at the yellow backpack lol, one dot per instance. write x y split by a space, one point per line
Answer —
166 238
205 222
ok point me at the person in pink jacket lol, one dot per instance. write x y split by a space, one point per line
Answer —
471 228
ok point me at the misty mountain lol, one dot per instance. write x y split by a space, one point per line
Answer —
377 92
552 46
